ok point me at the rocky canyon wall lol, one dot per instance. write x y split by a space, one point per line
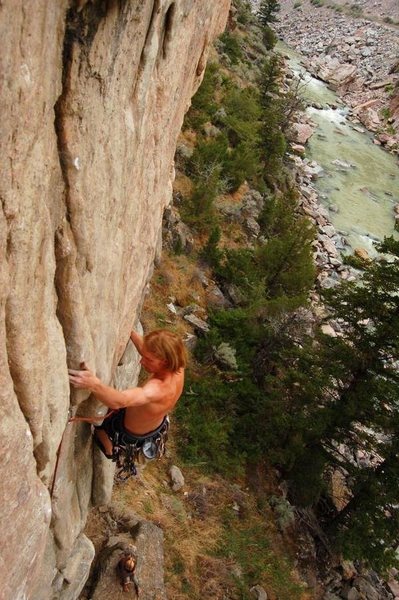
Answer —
93 96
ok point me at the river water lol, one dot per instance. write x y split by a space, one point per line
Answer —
360 180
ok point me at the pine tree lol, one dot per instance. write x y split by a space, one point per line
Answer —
269 80
357 407
267 12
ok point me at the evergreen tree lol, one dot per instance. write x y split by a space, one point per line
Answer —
267 11
269 80
356 407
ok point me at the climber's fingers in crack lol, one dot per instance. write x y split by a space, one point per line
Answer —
76 381
79 379
82 371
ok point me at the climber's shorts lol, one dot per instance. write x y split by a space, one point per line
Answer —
150 445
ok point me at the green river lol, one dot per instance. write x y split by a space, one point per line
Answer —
362 185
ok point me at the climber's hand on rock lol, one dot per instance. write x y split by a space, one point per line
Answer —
83 379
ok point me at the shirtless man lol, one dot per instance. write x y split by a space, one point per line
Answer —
164 357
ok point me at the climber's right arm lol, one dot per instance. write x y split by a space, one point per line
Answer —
137 341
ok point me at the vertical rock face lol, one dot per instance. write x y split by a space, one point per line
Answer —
93 95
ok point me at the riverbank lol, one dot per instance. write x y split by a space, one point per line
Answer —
359 202
357 57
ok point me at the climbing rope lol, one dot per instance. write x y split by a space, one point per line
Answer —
91 420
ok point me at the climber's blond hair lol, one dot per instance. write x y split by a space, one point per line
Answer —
168 347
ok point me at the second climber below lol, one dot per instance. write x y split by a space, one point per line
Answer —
142 411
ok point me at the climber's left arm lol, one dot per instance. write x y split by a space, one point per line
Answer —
86 380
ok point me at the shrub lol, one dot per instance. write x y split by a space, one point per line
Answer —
242 126
269 80
242 164
243 112
244 12
198 211
209 155
205 418
356 10
203 105
269 38
267 12
211 252
239 268
230 45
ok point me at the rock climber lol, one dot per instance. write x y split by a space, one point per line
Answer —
139 415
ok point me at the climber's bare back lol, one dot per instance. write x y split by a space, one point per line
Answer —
163 393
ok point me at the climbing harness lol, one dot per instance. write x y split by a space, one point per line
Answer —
128 449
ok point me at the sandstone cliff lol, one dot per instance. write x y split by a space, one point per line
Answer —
93 95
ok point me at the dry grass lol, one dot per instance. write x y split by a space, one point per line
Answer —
183 185
188 137
216 541
188 535
232 237
175 280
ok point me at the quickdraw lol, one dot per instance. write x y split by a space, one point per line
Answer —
129 449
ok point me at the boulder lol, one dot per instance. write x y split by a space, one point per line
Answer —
370 119
348 570
199 325
329 245
328 330
342 164
329 230
211 130
252 227
145 541
176 477
327 282
190 341
334 72
393 585
225 356
362 253
107 582
298 149
75 573
148 539
366 589
259 592
353 594
235 294
176 234
215 297
301 133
